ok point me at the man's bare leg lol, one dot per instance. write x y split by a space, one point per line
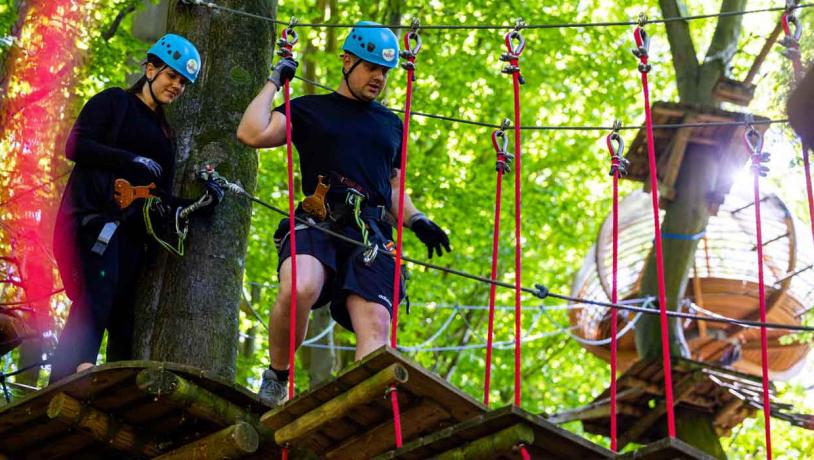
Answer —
371 322
311 276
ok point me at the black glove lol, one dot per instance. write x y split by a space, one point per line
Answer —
214 190
149 165
282 72
430 234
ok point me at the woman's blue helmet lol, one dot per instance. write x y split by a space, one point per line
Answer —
179 54
378 45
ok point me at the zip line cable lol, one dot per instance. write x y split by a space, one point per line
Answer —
483 124
519 25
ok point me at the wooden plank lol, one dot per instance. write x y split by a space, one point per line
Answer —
63 447
196 400
100 426
493 445
420 418
667 449
235 441
550 441
336 408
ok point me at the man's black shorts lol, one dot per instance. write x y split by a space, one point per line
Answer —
347 273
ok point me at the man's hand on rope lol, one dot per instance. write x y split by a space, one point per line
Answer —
282 72
430 234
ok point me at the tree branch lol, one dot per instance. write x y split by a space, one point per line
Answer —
114 26
723 47
681 47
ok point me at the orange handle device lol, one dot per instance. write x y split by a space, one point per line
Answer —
124 194
315 204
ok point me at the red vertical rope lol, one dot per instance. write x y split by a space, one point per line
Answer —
524 454
617 166
287 41
502 167
754 142
409 53
643 43
512 56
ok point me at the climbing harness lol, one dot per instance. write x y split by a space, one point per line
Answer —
616 148
502 165
754 145
642 40
512 56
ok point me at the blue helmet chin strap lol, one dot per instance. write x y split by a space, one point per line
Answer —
150 84
347 74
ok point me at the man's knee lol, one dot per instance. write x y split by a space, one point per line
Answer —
370 320
310 279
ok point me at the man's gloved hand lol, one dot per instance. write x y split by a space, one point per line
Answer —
430 234
149 165
282 72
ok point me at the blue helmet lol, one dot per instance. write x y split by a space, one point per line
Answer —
179 54
378 45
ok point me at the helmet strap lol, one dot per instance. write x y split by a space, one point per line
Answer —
347 74
150 84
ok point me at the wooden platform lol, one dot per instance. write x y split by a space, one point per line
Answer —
725 142
667 449
427 404
116 418
727 396
549 441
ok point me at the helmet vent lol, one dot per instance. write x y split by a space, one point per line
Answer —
370 46
176 55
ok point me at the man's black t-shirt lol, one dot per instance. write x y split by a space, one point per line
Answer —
358 140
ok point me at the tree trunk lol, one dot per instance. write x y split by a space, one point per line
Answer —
187 310
688 213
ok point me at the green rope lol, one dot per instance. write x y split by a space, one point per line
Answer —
357 215
179 248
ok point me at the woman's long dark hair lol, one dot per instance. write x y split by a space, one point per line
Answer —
137 87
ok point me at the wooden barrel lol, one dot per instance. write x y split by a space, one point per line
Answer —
723 282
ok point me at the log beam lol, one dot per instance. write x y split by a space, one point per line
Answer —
336 408
198 401
100 425
235 441
492 446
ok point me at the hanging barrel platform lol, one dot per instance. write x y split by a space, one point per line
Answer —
496 435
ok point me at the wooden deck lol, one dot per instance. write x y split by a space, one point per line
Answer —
548 440
667 449
427 404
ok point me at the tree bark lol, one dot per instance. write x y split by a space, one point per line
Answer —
188 306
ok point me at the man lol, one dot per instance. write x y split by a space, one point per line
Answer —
350 152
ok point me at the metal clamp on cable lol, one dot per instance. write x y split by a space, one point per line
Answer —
287 40
642 44
501 144
616 147
754 142
412 45
540 291
514 50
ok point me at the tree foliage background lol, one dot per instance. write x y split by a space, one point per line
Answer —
574 76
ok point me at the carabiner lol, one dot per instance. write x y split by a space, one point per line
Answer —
288 38
751 136
616 147
515 50
642 43
791 38
500 141
412 44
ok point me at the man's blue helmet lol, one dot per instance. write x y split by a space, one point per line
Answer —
179 54
378 45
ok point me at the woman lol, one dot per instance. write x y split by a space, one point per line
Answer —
100 247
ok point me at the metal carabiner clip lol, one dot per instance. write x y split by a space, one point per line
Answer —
642 42
515 50
791 38
751 136
288 38
616 147
412 41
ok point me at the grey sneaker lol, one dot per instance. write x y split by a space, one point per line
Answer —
272 391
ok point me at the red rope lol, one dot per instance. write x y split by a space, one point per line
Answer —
512 56
616 168
524 454
287 41
756 151
410 52
642 41
501 167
